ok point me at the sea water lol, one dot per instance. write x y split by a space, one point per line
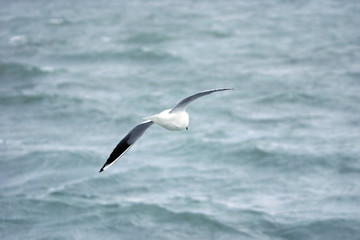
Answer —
278 158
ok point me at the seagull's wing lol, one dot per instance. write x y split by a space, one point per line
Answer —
126 143
181 106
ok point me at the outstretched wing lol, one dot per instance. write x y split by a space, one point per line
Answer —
181 106
126 143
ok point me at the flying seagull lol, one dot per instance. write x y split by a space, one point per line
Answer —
174 119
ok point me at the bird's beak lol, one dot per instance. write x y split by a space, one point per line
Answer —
187 128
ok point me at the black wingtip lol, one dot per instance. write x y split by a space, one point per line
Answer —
224 89
101 170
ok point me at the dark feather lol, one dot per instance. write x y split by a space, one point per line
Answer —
126 143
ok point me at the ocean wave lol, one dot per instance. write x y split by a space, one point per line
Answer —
132 213
324 229
217 33
20 71
22 99
43 157
147 37
195 220
39 98
279 118
290 97
59 21
96 187
143 55
280 158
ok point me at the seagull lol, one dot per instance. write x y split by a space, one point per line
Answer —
174 119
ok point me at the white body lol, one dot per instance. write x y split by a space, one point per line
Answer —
174 121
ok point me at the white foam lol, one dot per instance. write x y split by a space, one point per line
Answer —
106 39
18 40
47 69
57 21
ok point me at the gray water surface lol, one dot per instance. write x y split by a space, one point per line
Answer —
278 158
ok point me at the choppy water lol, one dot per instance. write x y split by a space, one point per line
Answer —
277 159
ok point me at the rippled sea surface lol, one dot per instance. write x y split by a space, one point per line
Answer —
279 158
